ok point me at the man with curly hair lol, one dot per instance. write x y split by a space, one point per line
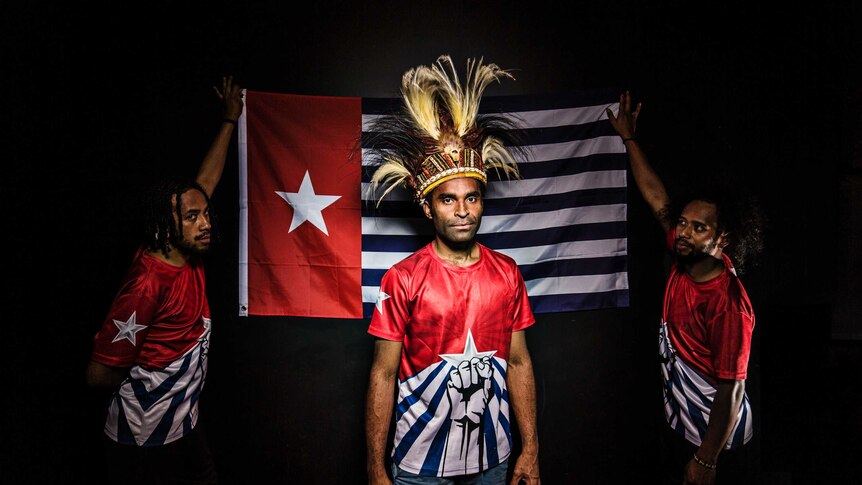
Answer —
707 323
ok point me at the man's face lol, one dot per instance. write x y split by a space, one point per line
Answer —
195 223
697 232
455 208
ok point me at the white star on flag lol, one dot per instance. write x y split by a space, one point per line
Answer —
128 329
380 297
469 353
307 206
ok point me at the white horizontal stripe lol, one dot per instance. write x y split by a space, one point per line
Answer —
567 250
545 118
369 294
558 218
554 151
574 149
381 260
556 185
563 285
396 226
549 118
530 187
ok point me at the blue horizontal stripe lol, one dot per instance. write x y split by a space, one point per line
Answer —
525 102
553 168
580 301
396 244
512 205
565 133
393 208
554 202
368 308
573 267
503 240
571 166
535 102
534 136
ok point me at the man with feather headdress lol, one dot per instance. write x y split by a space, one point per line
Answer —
450 318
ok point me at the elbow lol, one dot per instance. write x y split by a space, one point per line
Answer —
99 375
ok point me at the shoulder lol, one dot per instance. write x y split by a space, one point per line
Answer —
498 257
409 266
418 259
735 296
503 265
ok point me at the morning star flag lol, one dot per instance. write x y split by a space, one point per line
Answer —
314 243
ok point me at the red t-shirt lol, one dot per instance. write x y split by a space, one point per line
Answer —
709 323
456 324
156 317
430 305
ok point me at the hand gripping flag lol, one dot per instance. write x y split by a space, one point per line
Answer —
314 243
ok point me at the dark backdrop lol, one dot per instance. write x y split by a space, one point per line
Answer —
100 101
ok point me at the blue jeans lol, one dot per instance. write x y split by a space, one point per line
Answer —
492 476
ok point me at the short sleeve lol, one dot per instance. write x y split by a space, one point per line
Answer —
391 311
730 339
124 330
522 314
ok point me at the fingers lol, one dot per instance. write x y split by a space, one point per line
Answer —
228 88
637 111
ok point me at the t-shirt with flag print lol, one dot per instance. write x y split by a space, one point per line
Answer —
456 324
705 335
158 326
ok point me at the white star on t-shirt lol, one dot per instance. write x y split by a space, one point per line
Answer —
469 353
128 329
380 297
307 206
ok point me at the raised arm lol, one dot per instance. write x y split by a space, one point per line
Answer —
522 389
648 182
378 411
212 166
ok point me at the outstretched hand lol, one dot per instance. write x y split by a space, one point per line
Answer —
230 95
625 123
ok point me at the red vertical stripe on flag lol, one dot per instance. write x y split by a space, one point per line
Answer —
304 246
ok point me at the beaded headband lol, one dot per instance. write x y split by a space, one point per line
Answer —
440 135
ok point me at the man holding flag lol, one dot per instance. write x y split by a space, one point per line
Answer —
151 350
450 318
706 328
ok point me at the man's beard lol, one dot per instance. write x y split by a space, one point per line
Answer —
193 249
695 255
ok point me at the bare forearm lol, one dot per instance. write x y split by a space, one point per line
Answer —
212 167
522 390
378 409
648 182
722 418
378 413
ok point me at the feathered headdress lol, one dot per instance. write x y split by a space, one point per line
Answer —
440 134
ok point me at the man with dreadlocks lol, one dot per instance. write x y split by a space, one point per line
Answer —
152 347
450 318
707 323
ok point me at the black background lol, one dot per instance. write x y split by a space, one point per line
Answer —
102 100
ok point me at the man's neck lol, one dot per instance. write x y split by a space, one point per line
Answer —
705 269
172 256
459 255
